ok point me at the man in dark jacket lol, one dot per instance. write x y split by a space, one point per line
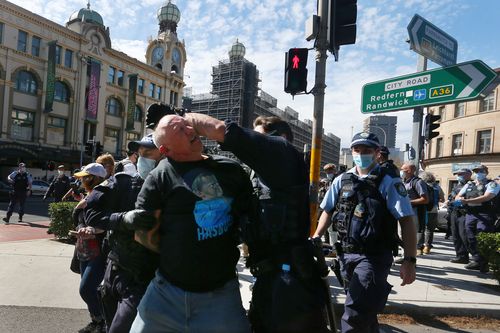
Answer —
130 265
385 162
59 186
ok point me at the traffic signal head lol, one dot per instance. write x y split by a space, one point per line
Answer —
98 149
296 70
341 24
431 125
89 147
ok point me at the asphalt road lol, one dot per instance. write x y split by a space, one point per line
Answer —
34 205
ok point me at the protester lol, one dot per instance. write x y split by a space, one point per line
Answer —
108 162
197 202
288 295
59 186
89 250
365 203
457 218
21 184
417 192
478 198
432 215
130 266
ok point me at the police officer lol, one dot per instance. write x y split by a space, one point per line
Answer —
278 240
59 186
365 203
130 266
478 197
384 161
331 172
457 218
21 184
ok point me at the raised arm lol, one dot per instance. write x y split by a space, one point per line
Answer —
207 126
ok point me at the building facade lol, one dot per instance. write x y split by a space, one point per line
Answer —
63 85
384 127
236 95
469 134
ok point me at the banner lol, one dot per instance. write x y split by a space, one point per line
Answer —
93 94
51 77
132 88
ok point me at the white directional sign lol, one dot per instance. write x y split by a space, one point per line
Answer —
431 42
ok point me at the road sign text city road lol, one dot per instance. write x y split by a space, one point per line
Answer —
431 42
461 82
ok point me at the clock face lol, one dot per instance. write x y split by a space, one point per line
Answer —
157 53
176 56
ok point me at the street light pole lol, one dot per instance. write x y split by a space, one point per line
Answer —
383 131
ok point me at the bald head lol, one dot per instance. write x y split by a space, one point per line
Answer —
408 170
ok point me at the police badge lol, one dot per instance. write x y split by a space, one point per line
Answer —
401 189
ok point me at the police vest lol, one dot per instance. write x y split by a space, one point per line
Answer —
21 182
364 222
473 191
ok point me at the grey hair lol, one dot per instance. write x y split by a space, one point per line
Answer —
428 177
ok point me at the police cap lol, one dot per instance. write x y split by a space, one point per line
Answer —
365 139
480 167
146 141
384 150
462 171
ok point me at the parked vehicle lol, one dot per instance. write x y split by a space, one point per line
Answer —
4 191
39 187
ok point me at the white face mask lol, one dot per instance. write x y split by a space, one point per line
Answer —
144 166
329 176
60 172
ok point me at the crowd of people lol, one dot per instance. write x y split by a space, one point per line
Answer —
157 233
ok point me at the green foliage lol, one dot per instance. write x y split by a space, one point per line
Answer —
61 221
489 246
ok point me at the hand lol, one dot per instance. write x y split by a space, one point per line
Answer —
140 218
407 272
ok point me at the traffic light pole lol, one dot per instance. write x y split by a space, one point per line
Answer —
319 101
417 141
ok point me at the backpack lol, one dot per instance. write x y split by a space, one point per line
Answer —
431 194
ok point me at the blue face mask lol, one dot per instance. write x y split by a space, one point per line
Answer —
363 160
144 166
461 179
402 174
329 176
480 176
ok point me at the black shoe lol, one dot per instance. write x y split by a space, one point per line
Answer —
94 327
473 265
20 218
6 220
460 261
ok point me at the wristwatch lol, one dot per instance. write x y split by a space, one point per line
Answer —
413 260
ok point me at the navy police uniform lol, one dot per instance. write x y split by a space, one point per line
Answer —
279 235
59 187
21 183
457 221
480 217
365 210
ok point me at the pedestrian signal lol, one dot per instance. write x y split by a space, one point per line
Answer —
296 70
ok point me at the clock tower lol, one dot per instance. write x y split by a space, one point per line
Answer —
167 53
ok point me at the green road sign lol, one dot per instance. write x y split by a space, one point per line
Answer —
461 82
431 42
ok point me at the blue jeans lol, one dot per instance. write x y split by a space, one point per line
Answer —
167 308
92 273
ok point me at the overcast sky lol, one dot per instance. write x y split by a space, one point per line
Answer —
268 28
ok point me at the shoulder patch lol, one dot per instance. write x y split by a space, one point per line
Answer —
493 184
401 189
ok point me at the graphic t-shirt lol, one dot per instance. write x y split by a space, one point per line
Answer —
200 204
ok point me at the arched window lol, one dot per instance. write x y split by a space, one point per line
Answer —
26 82
138 113
174 69
114 107
61 92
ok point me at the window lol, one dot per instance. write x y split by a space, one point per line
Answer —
111 132
68 59
439 147
121 74
22 40
488 103
114 107
111 74
132 136
456 144
1 32
26 82
138 113
459 110
484 142
56 130
22 125
442 112
140 86
158 92
111 139
58 54
35 46
61 92
152 90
